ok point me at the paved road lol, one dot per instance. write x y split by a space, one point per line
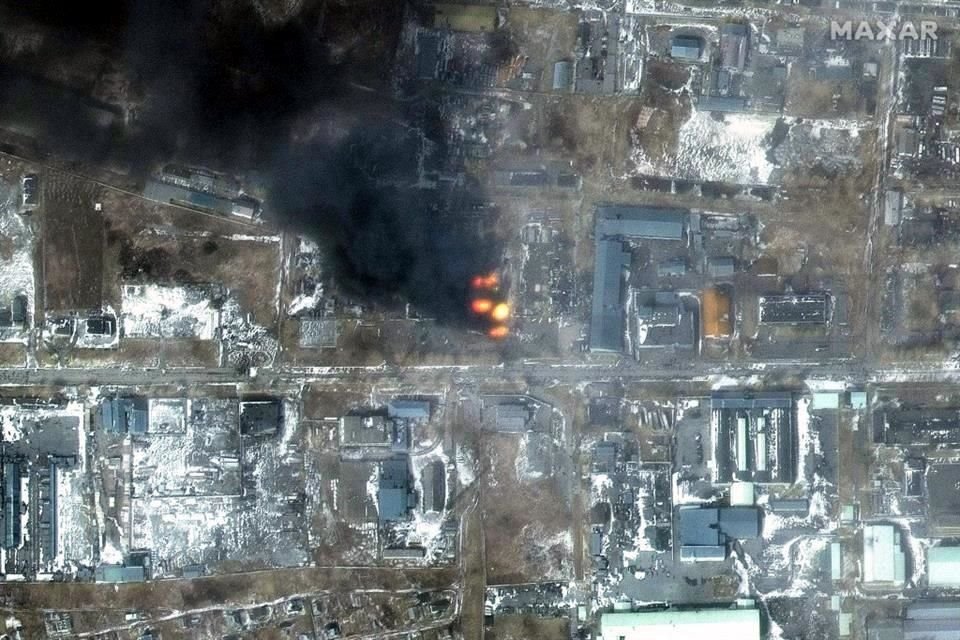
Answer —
538 372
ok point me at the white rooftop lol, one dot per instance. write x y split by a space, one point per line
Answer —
671 624
943 567
883 559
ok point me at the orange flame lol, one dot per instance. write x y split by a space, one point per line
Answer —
481 305
500 312
489 281
499 331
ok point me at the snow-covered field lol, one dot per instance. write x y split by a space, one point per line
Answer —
732 150
160 311
16 268
737 149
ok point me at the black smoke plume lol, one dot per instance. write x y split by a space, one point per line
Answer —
389 238
220 86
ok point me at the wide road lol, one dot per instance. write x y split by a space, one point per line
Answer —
540 372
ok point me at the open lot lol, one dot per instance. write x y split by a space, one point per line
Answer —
72 245
527 525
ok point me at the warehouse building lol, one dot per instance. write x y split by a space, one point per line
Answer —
12 534
607 317
678 624
734 45
663 320
686 48
754 437
811 308
704 532
614 224
123 415
395 496
884 562
921 621
943 567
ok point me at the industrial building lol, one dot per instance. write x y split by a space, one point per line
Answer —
943 499
943 567
563 75
515 414
607 318
651 223
663 320
921 621
166 193
680 624
395 495
12 533
811 308
930 426
365 431
120 573
884 562
261 417
122 415
433 487
721 266
734 45
408 409
754 436
686 48
614 224
704 532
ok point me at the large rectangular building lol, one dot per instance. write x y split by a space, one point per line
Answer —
811 308
943 567
921 621
754 437
614 224
675 624
884 562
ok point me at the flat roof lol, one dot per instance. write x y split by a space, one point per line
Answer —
607 316
943 567
809 308
634 221
883 559
672 624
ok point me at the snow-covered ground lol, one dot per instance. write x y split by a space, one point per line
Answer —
162 311
732 150
16 261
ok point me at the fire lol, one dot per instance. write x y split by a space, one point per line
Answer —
488 303
482 305
500 312
499 331
489 281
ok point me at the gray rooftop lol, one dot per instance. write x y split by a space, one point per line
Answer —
634 221
562 75
119 573
715 526
922 621
757 400
810 308
395 499
512 417
686 47
409 409
607 317
614 223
